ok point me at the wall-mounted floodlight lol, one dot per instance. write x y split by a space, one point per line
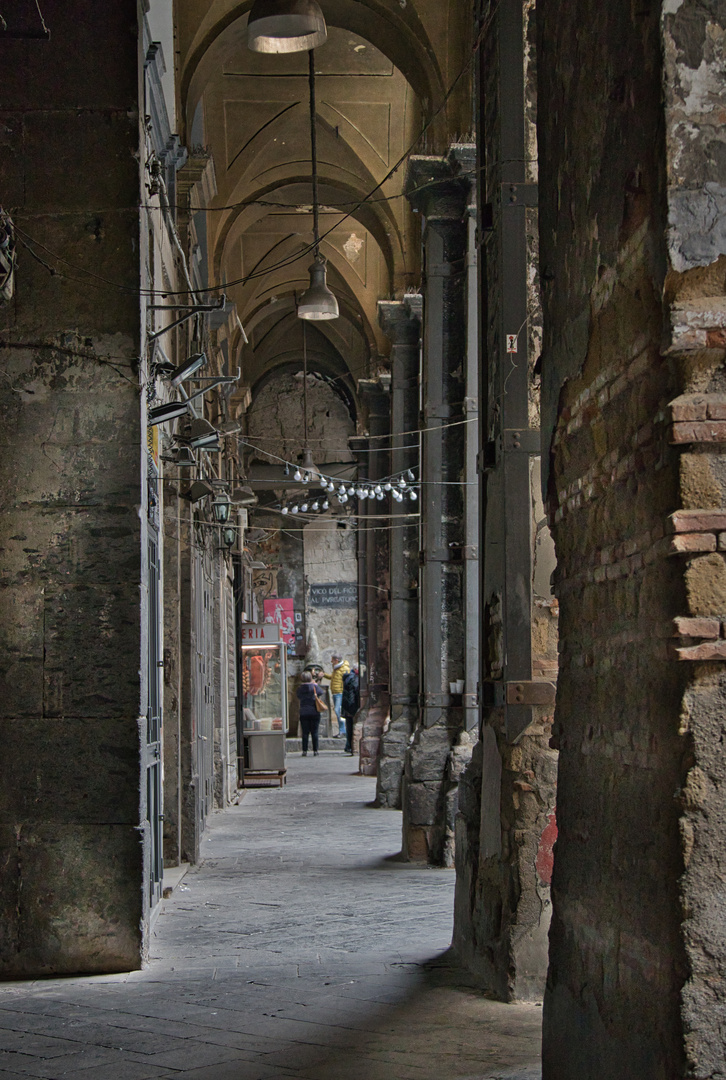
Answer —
170 411
185 370
243 496
285 26
201 433
199 490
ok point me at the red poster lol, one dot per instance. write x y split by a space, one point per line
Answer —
281 612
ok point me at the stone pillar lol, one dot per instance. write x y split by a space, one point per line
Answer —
375 587
401 321
633 235
438 190
73 502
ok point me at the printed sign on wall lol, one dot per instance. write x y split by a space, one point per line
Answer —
334 594
281 611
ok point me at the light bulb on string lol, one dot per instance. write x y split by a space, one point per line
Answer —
378 489
326 504
297 475
285 510
304 508
294 509
387 486
410 474
315 505
412 495
380 496
401 483
351 490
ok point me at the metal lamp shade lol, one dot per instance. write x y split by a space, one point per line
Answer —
308 465
161 413
185 371
318 302
202 434
285 26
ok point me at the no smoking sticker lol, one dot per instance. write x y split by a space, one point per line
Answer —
512 342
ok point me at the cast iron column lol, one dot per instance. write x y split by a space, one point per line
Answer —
439 189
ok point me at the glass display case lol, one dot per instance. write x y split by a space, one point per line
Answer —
263 712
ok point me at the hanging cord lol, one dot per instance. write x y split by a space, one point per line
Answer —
314 152
305 384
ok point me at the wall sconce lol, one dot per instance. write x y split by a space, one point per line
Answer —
229 537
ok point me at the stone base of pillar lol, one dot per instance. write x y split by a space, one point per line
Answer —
430 794
394 744
373 722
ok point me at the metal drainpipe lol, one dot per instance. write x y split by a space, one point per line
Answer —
471 495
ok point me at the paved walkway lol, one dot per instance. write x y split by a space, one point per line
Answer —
300 947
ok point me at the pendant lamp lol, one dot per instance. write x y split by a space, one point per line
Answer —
285 26
317 302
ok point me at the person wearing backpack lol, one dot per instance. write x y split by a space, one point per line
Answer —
350 705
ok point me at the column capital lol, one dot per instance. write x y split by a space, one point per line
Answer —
439 187
400 320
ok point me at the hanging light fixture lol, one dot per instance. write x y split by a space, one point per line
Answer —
317 302
285 26
308 465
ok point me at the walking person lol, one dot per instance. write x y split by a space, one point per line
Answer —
308 693
341 668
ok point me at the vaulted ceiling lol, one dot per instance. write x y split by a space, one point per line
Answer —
380 77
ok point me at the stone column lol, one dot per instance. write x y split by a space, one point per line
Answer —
401 321
73 503
438 190
375 587
633 407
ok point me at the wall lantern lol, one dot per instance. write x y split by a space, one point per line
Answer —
229 536
221 508
161 413
285 26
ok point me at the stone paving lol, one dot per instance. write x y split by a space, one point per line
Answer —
299 947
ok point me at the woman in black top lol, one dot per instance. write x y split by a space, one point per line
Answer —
307 692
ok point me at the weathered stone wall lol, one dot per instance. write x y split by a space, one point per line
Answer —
633 302
72 853
330 556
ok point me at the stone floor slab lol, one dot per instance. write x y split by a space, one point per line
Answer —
300 947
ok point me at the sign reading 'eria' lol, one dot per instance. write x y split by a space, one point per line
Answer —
334 594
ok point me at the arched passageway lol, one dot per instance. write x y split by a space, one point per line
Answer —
522 213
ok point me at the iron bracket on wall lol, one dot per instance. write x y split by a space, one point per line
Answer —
519 194
530 692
